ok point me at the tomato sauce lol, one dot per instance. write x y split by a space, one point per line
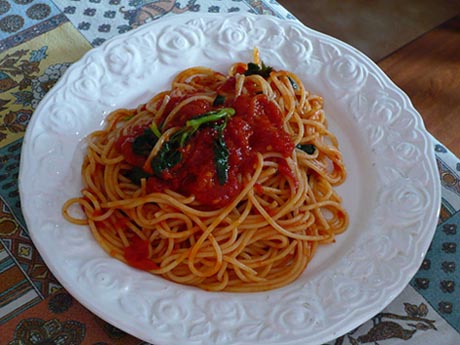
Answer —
124 145
187 111
137 255
255 127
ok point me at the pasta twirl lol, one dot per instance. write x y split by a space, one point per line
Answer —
224 182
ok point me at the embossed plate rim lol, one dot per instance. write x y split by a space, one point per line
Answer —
292 315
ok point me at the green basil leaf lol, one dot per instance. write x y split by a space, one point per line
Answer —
195 122
293 83
136 174
221 155
218 101
170 154
262 70
307 148
144 143
155 130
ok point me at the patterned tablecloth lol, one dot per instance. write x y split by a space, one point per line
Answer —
39 39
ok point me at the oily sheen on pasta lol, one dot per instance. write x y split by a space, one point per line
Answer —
224 182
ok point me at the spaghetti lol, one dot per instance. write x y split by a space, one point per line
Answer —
224 182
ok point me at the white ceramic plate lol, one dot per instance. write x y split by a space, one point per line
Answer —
392 192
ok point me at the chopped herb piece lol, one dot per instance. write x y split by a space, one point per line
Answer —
218 101
221 155
262 70
155 130
128 117
307 148
136 174
168 156
253 68
144 143
195 122
293 83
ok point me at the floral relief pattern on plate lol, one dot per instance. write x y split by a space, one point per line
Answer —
392 191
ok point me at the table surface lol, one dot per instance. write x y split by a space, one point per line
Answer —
428 70
33 57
